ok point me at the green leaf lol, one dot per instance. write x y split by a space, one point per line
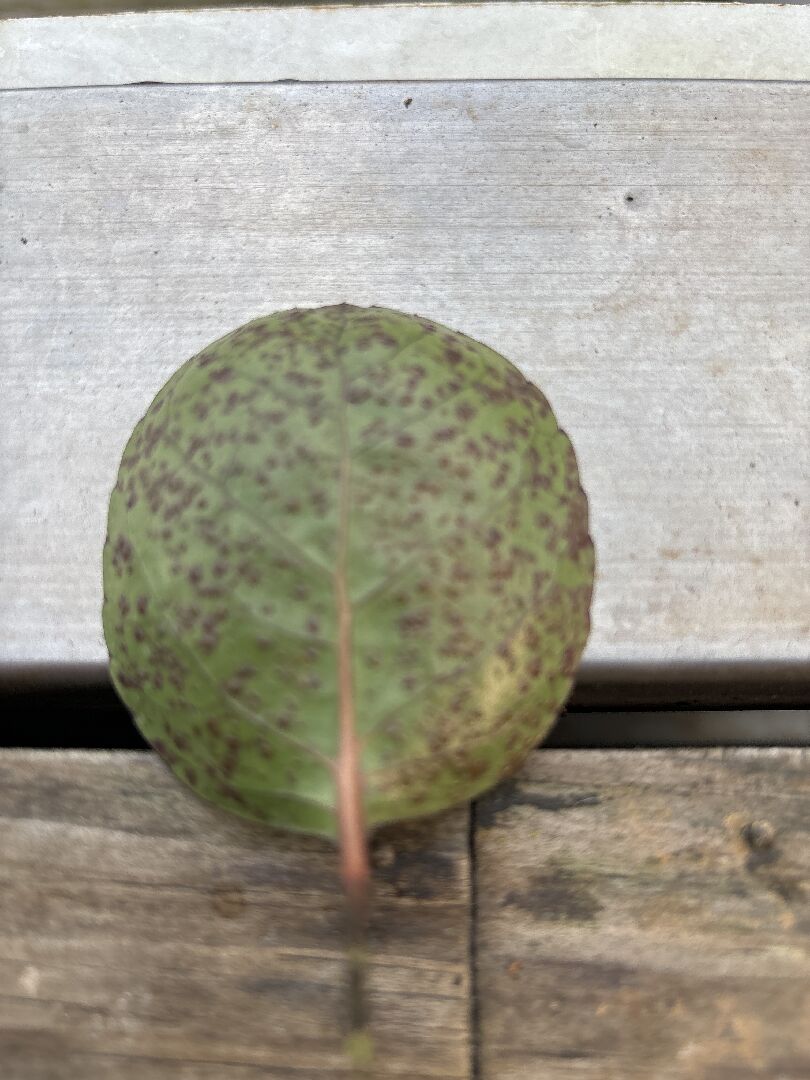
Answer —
348 570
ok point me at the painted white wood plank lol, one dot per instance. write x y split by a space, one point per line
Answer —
411 41
641 250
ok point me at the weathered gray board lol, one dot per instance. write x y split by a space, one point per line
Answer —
640 249
645 915
641 914
145 934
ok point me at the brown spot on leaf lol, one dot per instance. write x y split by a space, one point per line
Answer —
356 395
414 621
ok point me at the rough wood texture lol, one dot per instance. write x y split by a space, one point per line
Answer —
639 249
646 915
640 914
146 935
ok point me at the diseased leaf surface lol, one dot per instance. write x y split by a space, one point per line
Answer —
468 565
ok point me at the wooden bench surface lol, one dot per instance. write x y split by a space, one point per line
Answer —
638 248
608 914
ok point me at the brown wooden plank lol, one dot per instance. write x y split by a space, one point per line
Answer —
646 914
640 914
146 934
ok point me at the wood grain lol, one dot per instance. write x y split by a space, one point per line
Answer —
646 915
638 914
639 249
145 934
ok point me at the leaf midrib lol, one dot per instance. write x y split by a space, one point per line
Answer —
348 774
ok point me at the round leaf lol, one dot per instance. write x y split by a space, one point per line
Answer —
346 526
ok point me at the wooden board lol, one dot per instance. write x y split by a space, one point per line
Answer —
639 249
636 914
146 935
260 43
38 8
646 915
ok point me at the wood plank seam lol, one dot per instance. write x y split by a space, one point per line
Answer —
475 1006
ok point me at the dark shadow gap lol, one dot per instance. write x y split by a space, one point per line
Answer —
634 714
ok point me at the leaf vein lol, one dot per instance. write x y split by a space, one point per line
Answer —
224 695
296 552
